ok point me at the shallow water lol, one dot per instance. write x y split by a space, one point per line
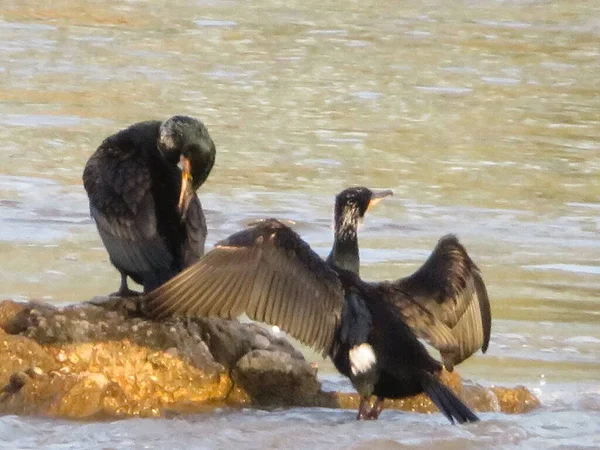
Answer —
481 115
561 424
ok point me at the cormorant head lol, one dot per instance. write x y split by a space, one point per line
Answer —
352 204
186 140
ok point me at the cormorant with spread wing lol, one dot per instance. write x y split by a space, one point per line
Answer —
370 330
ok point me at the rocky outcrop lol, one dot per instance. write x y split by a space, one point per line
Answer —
102 359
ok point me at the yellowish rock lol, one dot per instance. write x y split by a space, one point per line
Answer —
94 362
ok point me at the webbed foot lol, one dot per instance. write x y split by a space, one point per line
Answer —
124 290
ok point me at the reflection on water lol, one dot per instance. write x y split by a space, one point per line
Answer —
482 116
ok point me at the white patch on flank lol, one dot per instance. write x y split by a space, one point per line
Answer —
362 358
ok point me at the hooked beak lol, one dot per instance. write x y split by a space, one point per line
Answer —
378 196
187 192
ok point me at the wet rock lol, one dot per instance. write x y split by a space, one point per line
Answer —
103 359
417 403
275 378
479 398
229 340
16 381
17 353
515 400
13 316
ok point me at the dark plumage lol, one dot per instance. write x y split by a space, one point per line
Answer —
369 330
145 207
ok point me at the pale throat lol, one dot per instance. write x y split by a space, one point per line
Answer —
345 253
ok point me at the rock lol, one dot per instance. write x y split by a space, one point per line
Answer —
515 400
16 381
18 353
275 378
13 316
479 398
103 359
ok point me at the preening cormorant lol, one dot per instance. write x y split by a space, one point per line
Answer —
370 330
145 207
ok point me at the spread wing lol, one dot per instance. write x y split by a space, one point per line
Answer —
446 303
267 272
118 183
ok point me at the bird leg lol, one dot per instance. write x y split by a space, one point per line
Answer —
363 409
124 290
373 414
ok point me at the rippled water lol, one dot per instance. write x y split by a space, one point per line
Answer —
308 429
481 115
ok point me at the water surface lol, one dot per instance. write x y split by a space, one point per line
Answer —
482 116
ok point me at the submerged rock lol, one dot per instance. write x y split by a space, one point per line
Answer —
102 359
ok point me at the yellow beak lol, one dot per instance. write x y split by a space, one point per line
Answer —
186 185
378 196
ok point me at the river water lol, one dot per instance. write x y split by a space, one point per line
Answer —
481 115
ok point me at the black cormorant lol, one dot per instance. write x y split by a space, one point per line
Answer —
145 207
370 330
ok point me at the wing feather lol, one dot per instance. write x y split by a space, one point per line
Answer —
259 279
265 289
274 296
281 296
269 273
184 290
217 294
286 307
446 303
236 293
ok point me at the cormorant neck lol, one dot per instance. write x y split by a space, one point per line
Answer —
345 253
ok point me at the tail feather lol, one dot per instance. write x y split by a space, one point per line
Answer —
447 402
